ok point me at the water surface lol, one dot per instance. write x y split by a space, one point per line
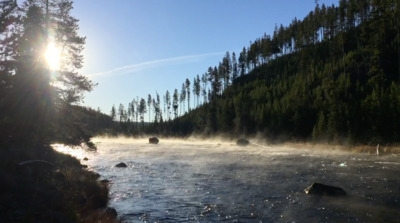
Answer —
198 181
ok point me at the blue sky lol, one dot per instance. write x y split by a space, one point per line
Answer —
137 47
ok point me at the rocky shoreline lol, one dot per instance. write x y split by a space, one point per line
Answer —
40 184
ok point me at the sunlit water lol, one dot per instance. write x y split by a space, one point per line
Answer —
192 181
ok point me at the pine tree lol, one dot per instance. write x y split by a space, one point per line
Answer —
226 69
142 110
113 112
175 102
204 80
235 69
197 88
9 21
49 92
183 97
149 101
168 102
242 61
187 86
121 113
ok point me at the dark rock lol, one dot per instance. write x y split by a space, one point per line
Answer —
242 142
105 181
121 165
110 213
153 140
86 159
322 189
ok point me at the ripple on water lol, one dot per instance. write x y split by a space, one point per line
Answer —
184 182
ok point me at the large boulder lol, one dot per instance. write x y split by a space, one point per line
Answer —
121 165
242 142
322 189
153 140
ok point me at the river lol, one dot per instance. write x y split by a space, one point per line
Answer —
214 181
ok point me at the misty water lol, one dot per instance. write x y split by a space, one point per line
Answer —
212 181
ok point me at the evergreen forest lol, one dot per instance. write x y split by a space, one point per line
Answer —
333 76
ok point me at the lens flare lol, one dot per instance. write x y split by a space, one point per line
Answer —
52 56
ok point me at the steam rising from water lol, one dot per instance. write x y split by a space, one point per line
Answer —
198 180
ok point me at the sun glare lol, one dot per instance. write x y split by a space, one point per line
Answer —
52 56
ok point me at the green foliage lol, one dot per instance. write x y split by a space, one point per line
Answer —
333 76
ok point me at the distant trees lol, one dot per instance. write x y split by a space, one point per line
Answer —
196 89
168 102
332 76
187 88
113 113
149 102
204 91
131 110
182 97
175 102
122 114
142 110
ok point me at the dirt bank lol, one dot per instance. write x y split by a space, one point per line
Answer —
39 184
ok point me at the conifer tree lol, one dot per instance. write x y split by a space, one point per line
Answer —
149 101
183 97
175 102
142 110
187 86
48 90
235 69
168 102
113 113
204 81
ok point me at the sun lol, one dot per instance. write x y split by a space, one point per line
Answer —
52 56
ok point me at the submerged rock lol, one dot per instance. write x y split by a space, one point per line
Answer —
242 142
153 140
322 189
121 165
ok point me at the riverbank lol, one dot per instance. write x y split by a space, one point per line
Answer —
39 184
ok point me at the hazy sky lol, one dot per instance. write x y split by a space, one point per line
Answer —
137 47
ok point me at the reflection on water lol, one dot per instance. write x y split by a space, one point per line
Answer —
191 181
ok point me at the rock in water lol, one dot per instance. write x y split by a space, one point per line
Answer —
153 140
322 189
242 142
110 213
121 165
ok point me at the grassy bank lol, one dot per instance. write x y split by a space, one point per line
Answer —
38 184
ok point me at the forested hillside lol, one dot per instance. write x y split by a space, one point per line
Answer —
333 76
